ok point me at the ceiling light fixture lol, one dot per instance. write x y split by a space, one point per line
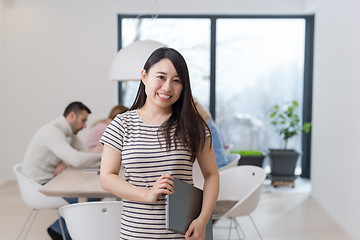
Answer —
130 60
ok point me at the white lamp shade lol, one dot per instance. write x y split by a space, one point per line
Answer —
129 61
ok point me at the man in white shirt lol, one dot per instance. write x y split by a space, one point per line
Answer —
56 146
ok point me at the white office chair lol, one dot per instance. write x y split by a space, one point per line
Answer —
243 196
198 179
93 220
32 197
233 159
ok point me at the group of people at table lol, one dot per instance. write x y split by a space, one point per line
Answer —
156 139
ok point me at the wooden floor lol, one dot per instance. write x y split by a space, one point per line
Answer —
283 213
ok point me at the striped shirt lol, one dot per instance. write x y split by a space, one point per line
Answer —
145 160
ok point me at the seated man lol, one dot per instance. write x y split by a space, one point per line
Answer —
56 146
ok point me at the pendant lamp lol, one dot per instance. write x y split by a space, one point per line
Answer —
130 60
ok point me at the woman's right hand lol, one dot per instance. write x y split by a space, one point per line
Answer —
163 185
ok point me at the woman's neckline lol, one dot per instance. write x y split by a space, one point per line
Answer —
147 123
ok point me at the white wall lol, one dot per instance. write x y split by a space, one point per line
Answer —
3 142
310 6
56 52
336 114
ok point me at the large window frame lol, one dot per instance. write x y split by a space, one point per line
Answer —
308 66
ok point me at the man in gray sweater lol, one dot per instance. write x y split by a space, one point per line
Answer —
56 146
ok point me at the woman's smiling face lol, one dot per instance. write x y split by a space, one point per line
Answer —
162 84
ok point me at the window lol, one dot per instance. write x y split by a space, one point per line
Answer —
259 63
239 67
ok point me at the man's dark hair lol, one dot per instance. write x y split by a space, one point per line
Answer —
75 107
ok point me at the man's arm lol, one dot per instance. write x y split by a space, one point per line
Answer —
78 144
57 144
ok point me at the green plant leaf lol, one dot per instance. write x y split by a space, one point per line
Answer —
306 127
287 121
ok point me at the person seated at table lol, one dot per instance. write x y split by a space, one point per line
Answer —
56 146
91 140
217 140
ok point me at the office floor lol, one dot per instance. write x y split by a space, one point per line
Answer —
283 213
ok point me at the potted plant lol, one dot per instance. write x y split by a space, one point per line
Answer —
287 123
250 157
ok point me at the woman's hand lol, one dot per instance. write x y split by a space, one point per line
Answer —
163 185
196 230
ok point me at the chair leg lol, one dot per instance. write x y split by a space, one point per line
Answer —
231 220
257 230
33 211
238 227
240 234
61 225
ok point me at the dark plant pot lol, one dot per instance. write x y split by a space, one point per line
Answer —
283 162
252 160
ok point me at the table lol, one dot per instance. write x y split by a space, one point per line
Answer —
73 182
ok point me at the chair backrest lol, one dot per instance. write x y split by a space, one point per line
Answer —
30 194
233 159
198 178
93 220
197 175
242 184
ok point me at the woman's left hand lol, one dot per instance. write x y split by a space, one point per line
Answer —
196 230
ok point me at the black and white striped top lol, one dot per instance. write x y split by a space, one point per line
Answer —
145 160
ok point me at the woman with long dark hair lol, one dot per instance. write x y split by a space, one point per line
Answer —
158 139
